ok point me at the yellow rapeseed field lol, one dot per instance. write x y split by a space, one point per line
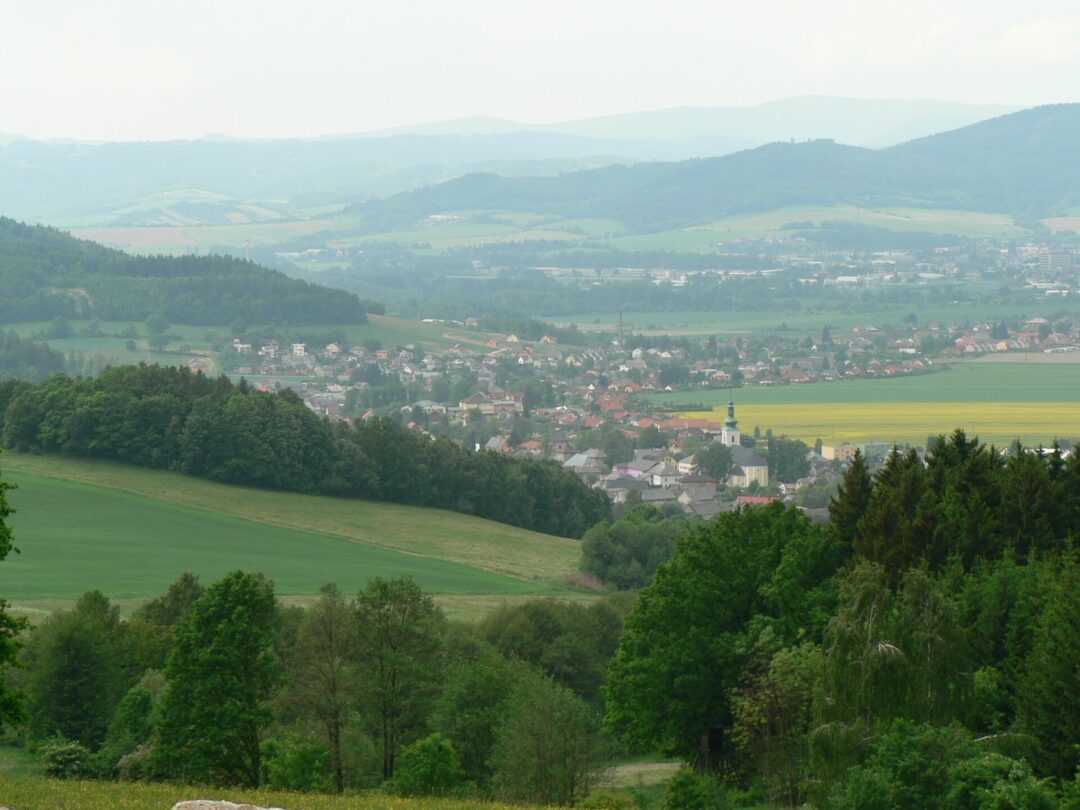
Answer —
33 793
909 422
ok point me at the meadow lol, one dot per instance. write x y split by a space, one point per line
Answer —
501 226
129 532
35 793
812 318
1035 402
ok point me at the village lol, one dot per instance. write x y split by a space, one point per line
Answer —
586 405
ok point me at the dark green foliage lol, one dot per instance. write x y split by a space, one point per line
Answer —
294 762
399 644
852 499
26 360
220 675
569 642
11 706
428 767
174 605
42 267
171 418
964 502
938 768
787 459
471 706
548 744
689 637
628 551
77 675
893 654
1049 698
714 461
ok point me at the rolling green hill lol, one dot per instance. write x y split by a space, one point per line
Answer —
129 532
1025 163
46 273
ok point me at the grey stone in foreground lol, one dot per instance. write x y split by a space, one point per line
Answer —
208 804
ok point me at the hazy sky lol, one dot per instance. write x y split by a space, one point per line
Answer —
138 69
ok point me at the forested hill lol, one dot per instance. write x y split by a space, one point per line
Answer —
169 418
1027 164
46 273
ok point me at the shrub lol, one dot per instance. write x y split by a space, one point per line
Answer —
428 767
294 762
67 759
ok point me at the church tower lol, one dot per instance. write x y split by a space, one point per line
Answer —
729 434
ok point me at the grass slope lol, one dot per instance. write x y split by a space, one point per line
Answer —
129 532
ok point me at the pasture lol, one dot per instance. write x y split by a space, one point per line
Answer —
1035 402
129 532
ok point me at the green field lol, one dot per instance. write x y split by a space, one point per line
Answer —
958 382
502 226
129 532
811 319
997 401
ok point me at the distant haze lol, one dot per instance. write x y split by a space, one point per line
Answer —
117 70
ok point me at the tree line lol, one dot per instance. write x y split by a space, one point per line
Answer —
47 274
23 359
919 650
169 418
224 685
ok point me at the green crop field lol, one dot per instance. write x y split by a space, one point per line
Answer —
1035 402
129 532
810 319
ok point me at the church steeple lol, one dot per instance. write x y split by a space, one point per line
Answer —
729 434
731 421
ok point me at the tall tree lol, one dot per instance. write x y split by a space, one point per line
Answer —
76 668
1049 699
852 498
685 643
323 671
220 675
399 647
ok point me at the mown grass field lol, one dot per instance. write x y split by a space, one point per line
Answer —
1035 402
129 532
35 793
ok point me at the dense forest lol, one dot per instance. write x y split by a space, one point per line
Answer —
920 650
170 418
46 274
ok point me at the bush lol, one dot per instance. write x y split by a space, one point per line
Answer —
67 759
136 766
428 767
693 791
608 800
294 762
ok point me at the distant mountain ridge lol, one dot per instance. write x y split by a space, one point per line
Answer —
1025 163
858 122
220 180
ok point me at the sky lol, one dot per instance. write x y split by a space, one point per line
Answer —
154 70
